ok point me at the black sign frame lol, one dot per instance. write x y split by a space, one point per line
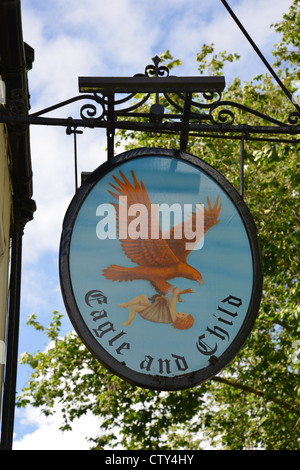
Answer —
216 364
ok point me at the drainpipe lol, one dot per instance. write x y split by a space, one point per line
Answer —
23 212
15 60
12 339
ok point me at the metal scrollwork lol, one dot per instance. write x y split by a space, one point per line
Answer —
209 96
155 70
294 118
133 106
225 116
90 110
195 105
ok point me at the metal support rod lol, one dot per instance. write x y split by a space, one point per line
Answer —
110 131
275 76
149 127
242 147
110 144
75 160
12 340
72 129
184 136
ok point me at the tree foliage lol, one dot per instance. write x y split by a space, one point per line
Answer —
254 403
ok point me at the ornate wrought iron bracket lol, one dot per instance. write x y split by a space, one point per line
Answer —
157 103
154 102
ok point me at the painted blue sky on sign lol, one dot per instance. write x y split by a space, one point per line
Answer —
224 261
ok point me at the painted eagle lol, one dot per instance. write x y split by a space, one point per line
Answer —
163 258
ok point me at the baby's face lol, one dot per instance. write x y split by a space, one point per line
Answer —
181 315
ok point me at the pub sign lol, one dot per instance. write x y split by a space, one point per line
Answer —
160 268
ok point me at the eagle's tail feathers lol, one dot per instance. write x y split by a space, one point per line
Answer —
118 273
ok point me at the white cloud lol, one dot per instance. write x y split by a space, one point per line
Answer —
54 183
211 23
119 37
47 436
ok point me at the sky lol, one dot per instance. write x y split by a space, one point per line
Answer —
103 38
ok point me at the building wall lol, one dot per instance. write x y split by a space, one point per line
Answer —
5 218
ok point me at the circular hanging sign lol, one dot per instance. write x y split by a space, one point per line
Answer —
160 268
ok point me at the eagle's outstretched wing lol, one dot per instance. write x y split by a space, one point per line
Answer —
143 251
178 246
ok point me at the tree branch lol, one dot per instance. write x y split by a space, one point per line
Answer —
257 392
